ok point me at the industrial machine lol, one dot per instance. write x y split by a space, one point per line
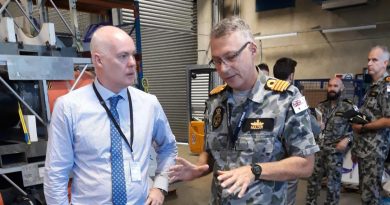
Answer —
37 65
200 80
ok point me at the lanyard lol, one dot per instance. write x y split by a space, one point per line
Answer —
234 135
113 119
330 115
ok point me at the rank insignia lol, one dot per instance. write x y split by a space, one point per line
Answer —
258 124
277 85
217 117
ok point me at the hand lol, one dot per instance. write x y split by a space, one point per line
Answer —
155 197
342 145
185 170
357 128
236 179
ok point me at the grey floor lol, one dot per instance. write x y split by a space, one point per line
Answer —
198 191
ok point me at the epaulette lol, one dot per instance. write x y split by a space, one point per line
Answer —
348 101
387 79
218 89
277 85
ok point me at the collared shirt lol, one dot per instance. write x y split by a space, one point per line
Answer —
376 105
270 132
337 126
79 143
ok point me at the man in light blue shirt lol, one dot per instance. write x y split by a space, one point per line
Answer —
81 133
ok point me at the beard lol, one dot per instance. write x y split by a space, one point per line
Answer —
333 95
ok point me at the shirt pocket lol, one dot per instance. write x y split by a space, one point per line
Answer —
259 147
217 142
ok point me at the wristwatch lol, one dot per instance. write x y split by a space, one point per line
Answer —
256 170
165 193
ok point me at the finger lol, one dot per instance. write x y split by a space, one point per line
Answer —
224 175
175 168
148 202
243 190
234 188
228 181
182 161
204 168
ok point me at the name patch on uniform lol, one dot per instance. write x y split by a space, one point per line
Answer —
340 114
299 105
373 94
258 124
217 117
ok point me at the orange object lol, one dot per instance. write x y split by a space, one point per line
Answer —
59 88
196 136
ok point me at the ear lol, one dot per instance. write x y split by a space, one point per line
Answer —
96 59
253 48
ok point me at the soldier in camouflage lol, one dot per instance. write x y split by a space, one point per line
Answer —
372 141
333 141
257 128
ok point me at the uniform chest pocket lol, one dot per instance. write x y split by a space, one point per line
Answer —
371 102
217 142
261 146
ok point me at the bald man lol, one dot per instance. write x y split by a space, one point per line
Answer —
103 132
336 135
373 139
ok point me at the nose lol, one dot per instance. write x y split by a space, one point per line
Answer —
131 62
223 67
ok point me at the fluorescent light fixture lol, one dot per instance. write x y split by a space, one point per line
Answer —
276 36
356 28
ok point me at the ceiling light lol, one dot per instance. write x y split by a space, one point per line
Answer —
276 36
333 30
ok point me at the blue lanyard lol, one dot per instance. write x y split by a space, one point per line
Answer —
234 135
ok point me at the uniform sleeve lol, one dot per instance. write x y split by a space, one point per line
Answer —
386 100
299 138
165 147
59 156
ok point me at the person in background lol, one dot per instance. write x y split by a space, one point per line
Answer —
372 140
284 69
102 133
334 140
264 68
257 128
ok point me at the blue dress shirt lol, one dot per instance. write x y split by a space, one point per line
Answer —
79 143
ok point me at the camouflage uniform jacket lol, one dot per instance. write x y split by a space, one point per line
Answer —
269 116
337 127
376 105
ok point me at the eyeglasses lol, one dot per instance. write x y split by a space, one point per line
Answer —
228 59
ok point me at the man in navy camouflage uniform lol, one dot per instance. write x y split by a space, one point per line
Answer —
333 142
245 122
371 145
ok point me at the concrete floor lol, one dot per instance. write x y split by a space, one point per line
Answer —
197 192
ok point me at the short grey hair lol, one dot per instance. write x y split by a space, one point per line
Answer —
385 50
230 25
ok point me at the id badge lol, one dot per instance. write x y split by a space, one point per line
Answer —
135 171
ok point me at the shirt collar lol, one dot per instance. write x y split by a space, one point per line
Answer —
106 93
258 90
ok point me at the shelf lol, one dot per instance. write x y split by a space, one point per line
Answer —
95 6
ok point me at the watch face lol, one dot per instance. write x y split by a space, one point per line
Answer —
256 169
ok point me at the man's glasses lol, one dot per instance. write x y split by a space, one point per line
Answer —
228 59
